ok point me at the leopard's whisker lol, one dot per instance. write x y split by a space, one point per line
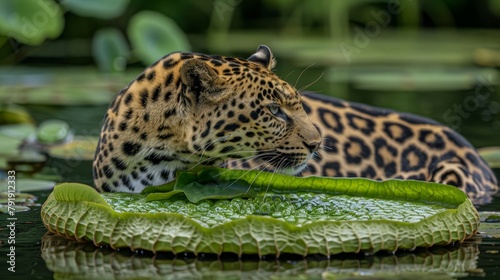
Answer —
261 170
258 173
282 160
251 158
286 77
246 172
205 147
202 156
301 73
312 83
266 152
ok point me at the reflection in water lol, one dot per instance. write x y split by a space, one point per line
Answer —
70 259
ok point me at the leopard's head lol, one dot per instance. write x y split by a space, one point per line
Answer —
242 110
189 109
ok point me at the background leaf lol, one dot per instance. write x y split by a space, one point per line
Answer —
105 9
31 21
494 6
52 131
30 185
110 50
153 35
80 148
13 114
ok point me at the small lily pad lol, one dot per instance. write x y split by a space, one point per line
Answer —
18 199
30 185
16 208
13 114
493 219
490 224
53 131
9 146
28 162
17 131
81 148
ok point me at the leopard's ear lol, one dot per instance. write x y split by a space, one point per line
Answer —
201 79
264 57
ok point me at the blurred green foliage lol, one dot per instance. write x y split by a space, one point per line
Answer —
106 9
110 49
118 33
151 34
30 21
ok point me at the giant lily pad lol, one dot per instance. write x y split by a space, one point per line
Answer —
312 215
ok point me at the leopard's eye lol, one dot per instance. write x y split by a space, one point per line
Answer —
274 108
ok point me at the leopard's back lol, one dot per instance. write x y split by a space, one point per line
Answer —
365 141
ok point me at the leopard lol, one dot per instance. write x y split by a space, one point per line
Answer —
189 109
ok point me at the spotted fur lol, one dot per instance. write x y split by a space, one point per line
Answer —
189 109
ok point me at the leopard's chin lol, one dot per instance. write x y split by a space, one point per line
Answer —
291 169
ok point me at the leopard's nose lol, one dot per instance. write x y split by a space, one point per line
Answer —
312 146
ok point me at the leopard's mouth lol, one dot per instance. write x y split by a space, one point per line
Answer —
287 163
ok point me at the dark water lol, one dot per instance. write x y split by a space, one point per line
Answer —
42 256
